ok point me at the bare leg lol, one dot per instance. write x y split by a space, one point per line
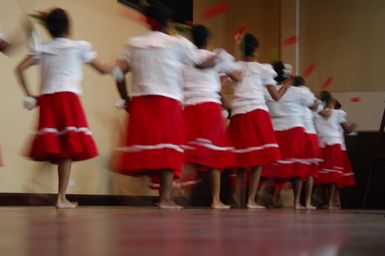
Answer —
297 187
332 196
239 189
309 193
165 191
216 190
253 189
337 200
64 172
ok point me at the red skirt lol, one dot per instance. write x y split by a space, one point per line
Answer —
336 167
154 138
207 138
294 162
313 153
62 131
254 140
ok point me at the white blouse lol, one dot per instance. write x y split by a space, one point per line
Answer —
61 63
157 62
329 130
249 92
289 112
204 85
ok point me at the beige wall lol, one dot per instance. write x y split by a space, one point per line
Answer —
346 39
261 18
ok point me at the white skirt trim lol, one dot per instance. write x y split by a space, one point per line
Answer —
251 149
84 130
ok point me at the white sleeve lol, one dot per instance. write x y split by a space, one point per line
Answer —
341 116
268 75
307 98
226 62
86 53
188 52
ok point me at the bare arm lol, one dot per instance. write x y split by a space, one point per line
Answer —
121 85
4 46
348 128
26 63
208 63
277 94
235 75
101 68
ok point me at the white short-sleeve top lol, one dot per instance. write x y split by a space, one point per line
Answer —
308 117
329 129
204 85
61 63
289 112
249 93
157 62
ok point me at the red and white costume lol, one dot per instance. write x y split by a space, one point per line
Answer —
250 124
336 167
208 142
62 131
288 121
155 134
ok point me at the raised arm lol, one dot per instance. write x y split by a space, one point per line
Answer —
26 63
275 94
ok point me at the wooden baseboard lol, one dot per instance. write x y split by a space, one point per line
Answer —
29 199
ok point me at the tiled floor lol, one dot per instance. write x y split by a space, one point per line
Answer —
116 231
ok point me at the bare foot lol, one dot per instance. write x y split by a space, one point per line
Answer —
169 205
253 205
310 207
65 204
219 205
330 207
299 207
235 202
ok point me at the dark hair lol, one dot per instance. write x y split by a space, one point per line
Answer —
279 68
57 22
337 105
298 81
200 35
325 97
248 45
158 15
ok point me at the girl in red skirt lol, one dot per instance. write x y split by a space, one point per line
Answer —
62 134
250 125
207 139
288 122
336 170
154 143
312 148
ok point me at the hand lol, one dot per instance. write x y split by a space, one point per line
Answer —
30 102
123 104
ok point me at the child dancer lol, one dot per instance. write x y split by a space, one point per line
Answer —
312 148
155 129
250 124
336 170
62 134
288 122
208 141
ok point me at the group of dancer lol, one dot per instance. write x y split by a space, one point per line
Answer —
277 128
